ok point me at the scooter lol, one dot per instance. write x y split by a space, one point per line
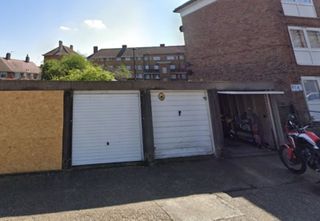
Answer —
302 149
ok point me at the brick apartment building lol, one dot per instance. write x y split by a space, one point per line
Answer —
275 41
13 69
257 40
145 63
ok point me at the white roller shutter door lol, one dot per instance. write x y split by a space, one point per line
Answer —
106 128
181 123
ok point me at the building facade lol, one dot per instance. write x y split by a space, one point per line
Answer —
59 52
12 69
145 63
250 40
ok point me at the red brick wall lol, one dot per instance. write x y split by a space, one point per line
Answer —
247 40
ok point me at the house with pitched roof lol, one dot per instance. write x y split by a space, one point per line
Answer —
59 52
13 69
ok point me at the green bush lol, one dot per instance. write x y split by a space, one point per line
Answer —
74 68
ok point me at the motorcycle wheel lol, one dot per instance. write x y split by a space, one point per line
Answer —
294 163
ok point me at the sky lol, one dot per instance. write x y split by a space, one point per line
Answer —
34 27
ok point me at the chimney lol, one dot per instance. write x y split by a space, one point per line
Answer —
71 47
124 46
95 49
60 44
162 45
27 59
8 56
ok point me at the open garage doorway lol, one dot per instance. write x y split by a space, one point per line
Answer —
248 123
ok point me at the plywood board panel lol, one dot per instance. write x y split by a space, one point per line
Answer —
31 130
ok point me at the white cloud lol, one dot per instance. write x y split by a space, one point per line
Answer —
95 24
65 28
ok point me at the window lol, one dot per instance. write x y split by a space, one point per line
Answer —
314 38
301 8
128 59
35 76
147 76
172 67
147 67
298 39
311 87
156 58
156 76
129 67
3 75
139 67
184 76
118 59
10 75
164 70
146 58
306 45
156 67
181 57
139 76
170 58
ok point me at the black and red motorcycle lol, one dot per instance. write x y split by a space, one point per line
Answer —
302 149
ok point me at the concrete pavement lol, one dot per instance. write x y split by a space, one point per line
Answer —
254 188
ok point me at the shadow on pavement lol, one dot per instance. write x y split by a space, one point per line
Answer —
250 178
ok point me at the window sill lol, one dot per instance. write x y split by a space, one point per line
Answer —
300 17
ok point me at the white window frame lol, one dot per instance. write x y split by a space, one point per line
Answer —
171 57
309 49
298 4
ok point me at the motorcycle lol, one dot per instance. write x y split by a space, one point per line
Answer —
302 149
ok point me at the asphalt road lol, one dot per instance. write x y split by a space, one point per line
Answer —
254 188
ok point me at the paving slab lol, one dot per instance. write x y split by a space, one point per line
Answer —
132 212
199 207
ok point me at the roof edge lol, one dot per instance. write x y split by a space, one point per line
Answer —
177 10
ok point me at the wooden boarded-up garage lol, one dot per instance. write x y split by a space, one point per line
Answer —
181 123
106 127
31 128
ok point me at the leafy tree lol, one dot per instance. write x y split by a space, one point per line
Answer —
74 68
122 73
51 69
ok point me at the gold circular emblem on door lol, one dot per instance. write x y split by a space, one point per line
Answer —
161 96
